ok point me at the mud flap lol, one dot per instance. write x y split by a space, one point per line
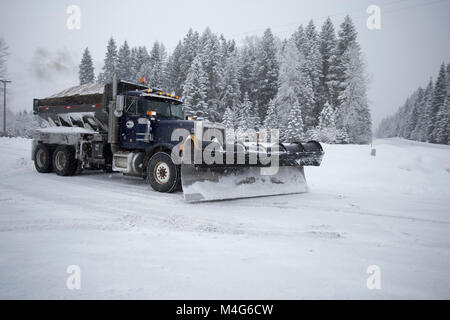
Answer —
202 183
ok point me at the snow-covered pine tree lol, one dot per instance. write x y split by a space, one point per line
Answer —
312 68
174 79
299 37
3 57
436 133
164 58
294 130
247 119
133 62
414 114
266 72
190 49
230 89
447 104
155 74
353 112
418 132
247 62
194 90
327 125
211 60
347 37
124 63
290 79
229 118
272 119
425 114
442 126
110 62
86 69
140 62
328 44
441 130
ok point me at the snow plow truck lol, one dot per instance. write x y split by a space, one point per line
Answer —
142 131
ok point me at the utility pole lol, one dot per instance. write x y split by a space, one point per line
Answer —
4 105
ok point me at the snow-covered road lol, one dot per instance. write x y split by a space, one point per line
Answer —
392 211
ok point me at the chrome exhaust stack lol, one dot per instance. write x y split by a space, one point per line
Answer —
113 121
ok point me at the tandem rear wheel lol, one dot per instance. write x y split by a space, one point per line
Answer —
43 159
64 161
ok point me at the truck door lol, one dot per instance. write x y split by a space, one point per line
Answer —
135 126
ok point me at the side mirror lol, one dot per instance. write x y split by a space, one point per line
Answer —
120 102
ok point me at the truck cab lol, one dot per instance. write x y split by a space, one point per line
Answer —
148 117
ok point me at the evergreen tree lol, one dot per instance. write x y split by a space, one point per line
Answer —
247 62
174 74
124 63
3 57
413 118
299 38
156 66
230 92
419 131
266 73
346 38
328 44
248 117
295 130
436 133
210 54
86 71
442 125
290 79
327 119
312 68
194 90
110 63
426 120
190 49
353 112
229 118
327 131
272 119
140 63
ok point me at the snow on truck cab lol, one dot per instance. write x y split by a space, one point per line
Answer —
140 131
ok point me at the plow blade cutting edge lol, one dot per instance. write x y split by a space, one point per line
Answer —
222 183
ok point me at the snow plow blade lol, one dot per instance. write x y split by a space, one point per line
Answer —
223 183
203 182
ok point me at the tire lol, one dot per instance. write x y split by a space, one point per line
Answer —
162 174
43 159
64 162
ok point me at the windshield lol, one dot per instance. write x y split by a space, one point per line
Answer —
164 108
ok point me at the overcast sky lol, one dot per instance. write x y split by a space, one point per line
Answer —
44 53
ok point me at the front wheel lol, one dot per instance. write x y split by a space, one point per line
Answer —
162 174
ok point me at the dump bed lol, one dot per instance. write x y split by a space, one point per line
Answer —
84 106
